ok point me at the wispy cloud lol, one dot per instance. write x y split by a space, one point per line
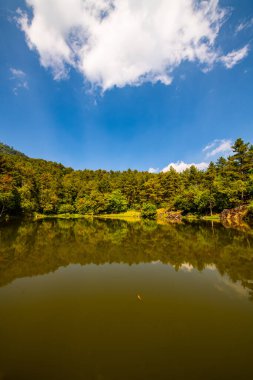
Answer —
216 147
19 79
244 25
180 166
234 57
143 41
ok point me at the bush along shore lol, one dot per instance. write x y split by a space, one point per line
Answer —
38 187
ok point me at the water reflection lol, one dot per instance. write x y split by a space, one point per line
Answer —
34 248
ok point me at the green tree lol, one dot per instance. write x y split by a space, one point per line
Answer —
66 209
84 205
30 185
9 200
148 211
116 202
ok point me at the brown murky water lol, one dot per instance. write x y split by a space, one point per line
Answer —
117 300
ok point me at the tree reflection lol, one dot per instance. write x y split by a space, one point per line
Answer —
29 249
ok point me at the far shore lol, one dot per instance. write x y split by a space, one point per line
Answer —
131 215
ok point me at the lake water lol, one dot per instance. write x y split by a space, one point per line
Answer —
125 301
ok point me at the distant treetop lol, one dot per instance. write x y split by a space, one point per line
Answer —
6 149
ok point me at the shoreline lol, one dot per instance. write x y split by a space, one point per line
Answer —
128 215
132 215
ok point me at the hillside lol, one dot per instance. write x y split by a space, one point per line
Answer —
6 149
38 186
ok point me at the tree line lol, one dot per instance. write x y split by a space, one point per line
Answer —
30 185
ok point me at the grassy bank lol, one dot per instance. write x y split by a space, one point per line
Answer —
60 216
128 215
214 217
131 215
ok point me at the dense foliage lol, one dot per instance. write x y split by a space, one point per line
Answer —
148 211
33 185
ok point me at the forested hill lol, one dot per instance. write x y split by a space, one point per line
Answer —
32 185
6 149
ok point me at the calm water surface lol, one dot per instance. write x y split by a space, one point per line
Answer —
116 300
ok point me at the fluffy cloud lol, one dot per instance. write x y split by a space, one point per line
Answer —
152 170
217 147
19 79
180 166
123 42
231 59
211 150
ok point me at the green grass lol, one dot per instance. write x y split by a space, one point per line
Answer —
60 216
191 217
131 214
128 215
215 217
211 217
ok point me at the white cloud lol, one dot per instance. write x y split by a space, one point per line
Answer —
211 150
217 146
210 145
244 25
234 57
19 78
123 42
17 73
180 166
152 170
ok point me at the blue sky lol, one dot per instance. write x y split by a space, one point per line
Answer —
112 102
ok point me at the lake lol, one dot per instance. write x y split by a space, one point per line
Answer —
109 299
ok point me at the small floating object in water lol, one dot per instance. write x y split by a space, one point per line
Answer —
139 297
